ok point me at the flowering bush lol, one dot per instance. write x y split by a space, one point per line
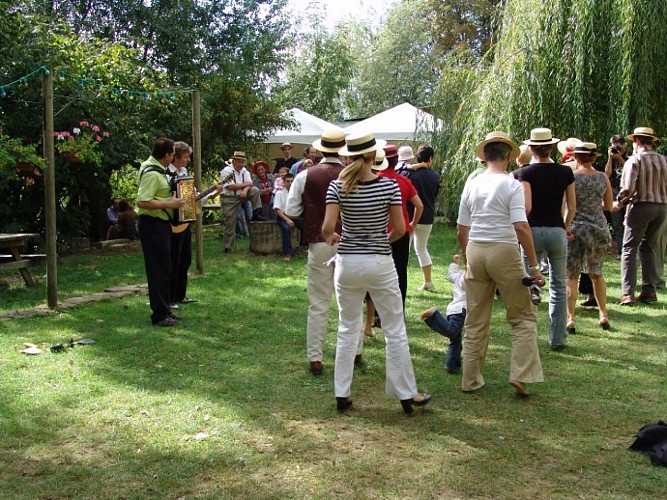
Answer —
82 143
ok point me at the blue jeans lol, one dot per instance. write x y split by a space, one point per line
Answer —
450 327
287 237
554 241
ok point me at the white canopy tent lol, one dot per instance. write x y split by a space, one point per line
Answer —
309 128
401 124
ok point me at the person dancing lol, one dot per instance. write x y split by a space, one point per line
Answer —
367 204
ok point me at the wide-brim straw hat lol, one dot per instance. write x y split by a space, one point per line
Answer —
643 131
331 141
568 145
380 162
587 148
239 155
405 153
497 137
361 143
541 137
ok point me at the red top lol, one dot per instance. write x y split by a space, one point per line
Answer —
407 191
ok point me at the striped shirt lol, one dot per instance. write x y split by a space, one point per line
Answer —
365 215
644 178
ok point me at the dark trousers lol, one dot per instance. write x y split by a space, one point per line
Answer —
287 237
450 327
400 252
181 258
155 237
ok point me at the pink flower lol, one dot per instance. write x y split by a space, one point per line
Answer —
84 124
98 138
105 134
95 128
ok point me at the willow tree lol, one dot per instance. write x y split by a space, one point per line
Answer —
584 68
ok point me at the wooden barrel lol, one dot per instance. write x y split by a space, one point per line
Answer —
266 238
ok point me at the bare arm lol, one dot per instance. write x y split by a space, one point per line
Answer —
462 233
419 210
525 237
329 224
397 221
570 209
608 198
528 194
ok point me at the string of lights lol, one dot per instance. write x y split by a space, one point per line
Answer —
95 86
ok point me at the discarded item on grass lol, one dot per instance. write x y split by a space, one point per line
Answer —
58 347
73 342
32 351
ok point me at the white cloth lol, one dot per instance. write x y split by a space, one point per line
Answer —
240 177
280 200
457 277
355 274
490 204
320 291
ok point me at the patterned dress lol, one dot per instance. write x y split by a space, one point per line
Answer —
592 239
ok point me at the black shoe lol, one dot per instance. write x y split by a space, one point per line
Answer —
343 404
167 321
407 403
257 215
228 250
175 316
589 303
357 360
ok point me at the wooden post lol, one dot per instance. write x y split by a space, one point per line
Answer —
196 149
50 194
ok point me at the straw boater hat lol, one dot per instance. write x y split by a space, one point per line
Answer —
260 163
405 153
381 162
361 143
239 155
568 145
587 148
643 131
286 145
497 137
331 141
541 137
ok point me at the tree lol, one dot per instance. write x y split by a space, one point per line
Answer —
584 69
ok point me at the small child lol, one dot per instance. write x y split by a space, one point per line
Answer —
279 183
452 327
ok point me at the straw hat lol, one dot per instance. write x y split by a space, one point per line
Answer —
286 145
497 137
380 162
239 155
587 148
643 131
540 137
361 143
331 141
405 153
568 145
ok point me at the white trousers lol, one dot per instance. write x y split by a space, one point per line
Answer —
354 276
420 236
320 290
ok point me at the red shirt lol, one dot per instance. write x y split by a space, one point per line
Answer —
407 191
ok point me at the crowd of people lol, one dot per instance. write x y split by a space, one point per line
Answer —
361 204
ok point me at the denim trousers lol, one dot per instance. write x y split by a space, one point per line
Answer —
354 276
553 240
287 237
450 327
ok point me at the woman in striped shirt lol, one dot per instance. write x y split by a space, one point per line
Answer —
367 205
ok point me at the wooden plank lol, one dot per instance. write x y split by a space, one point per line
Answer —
15 264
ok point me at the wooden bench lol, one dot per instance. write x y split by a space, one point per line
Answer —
15 259
266 237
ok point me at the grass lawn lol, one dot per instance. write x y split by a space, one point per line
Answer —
223 406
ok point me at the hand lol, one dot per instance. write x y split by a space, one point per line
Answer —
334 239
537 276
175 202
455 259
615 207
290 222
569 235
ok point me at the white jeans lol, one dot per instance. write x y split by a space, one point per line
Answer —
320 290
420 236
354 276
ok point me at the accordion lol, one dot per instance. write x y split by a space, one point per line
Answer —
185 189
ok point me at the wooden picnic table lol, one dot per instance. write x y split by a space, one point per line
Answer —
13 242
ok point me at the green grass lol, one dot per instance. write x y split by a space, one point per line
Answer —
224 407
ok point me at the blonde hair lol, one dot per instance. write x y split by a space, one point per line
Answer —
355 171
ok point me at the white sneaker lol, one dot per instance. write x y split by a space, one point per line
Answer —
428 286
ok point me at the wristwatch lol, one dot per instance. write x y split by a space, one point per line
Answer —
534 268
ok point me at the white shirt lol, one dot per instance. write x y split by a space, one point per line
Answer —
240 177
280 200
459 302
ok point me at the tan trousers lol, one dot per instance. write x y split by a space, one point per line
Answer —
491 265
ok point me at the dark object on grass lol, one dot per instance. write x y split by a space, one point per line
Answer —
652 439
58 347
